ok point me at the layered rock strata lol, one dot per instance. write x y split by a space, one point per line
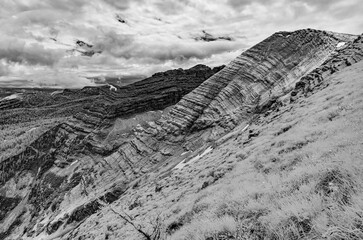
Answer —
348 54
269 68
93 104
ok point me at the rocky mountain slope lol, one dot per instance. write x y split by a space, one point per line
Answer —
173 84
269 68
118 167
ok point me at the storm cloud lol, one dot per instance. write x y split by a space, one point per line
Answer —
17 51
4 69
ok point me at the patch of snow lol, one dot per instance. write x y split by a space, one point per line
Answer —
152 124
13 96
206 151
183 163
139 127
245 128
341 44
32 129
74 162
183 153
180 165
112 88
56 92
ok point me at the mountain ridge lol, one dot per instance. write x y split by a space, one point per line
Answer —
227 88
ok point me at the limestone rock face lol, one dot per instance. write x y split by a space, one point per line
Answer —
268 68
348 54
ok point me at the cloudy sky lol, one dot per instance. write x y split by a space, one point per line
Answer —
68 42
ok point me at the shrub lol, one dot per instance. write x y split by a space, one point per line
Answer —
333 114
338 185
241 156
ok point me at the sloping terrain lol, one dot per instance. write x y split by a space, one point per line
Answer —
294 173
245 155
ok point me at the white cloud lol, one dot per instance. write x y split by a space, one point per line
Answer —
18 51
37 35
4 68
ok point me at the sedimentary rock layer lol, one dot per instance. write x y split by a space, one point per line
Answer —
155 93
348 54
268 68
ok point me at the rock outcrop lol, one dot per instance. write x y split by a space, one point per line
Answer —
155 93
269 68
348 54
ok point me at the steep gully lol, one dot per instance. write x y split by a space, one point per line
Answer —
234 94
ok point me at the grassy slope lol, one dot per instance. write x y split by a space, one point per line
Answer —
298 176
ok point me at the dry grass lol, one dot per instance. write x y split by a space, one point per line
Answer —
305 186
206 228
